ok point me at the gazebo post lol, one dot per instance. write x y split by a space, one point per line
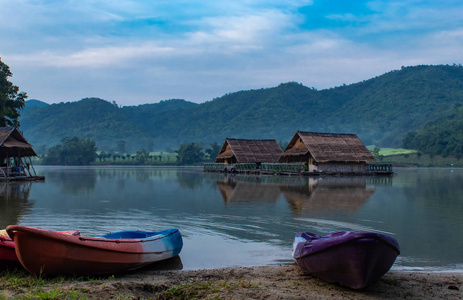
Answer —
7 165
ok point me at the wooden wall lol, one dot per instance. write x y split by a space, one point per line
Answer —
341 167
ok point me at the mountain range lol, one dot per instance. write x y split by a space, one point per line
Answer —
380 110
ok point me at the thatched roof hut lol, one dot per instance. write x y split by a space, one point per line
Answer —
13 144
249 151
336 152
15 156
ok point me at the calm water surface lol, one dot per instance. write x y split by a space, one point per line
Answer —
248 220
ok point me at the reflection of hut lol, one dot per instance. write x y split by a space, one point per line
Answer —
328 194
328 152
233 191
14 202
249 151
15 155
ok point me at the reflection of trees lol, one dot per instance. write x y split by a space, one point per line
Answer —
13 202
246 189
327 193
189 180
432 212
77 182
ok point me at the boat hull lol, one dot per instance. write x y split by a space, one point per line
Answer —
7 251
44 252
352 259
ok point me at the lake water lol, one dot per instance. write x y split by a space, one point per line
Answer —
248 220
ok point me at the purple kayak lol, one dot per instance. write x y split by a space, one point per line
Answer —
353 259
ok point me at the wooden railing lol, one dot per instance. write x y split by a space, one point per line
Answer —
245 167
277 168
379 168
215 167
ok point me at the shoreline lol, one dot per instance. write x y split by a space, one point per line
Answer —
284 281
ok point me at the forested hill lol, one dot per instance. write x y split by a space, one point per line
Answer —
380 111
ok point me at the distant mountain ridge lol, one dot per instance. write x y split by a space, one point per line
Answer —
36 103
380 111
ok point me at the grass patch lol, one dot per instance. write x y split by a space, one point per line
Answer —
391 151
203 290
195 290
28 286
394 151
55 293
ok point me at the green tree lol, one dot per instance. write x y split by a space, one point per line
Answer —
376 152
142 157
213 151
11 100
189 154
441 137
102 156
74 151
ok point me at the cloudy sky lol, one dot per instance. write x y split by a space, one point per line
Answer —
141 51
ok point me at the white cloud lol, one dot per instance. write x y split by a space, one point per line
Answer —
242 33
136 51
343 17
94 57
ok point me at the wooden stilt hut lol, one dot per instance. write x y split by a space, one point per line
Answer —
15 156
243 155
249 151
328 152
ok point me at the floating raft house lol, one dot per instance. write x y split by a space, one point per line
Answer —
308 153
245 155
331 153
15 157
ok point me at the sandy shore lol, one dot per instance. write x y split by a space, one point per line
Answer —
285 281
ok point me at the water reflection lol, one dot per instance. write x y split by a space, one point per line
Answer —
80 181
328 194
13 202
233 189
247 220
174 263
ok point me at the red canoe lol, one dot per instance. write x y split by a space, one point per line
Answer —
7 252
45 252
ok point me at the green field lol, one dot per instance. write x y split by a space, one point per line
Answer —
393 151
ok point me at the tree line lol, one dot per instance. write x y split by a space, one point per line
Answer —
83 151
380 111
425 99
441 137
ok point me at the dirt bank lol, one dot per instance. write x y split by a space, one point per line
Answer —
269 282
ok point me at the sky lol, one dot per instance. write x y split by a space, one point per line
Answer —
139 51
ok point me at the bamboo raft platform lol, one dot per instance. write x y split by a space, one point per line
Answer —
22 178
292 169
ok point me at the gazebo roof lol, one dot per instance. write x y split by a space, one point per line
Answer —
325 147
250 151
12 143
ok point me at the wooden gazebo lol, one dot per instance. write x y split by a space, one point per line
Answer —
15 155
242 151
328 152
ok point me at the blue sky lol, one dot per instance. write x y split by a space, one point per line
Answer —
136 52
